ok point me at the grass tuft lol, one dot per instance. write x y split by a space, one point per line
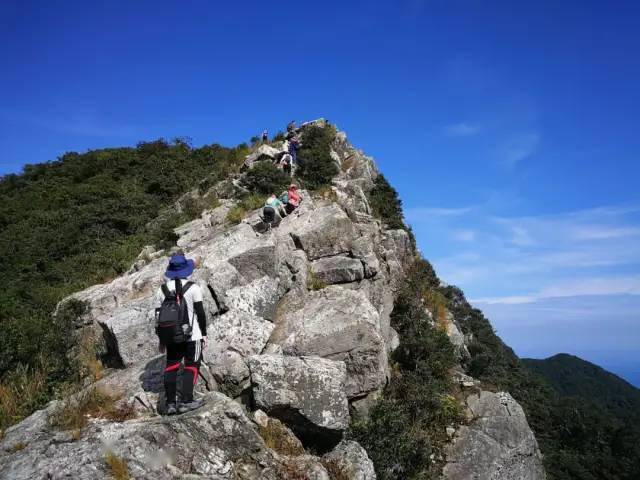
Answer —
278 438
334 470
246 204
74 414
21 391
16 447
117 467
314 283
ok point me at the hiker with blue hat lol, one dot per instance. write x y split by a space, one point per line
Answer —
181 326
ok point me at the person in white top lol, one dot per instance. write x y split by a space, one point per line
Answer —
178 271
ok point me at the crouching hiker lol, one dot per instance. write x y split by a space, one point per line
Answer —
181 336
273 211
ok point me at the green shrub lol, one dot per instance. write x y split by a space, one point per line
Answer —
266 178
317 168
386 203
193 207
409 423
245 205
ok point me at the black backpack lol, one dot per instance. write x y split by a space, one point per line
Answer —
172 318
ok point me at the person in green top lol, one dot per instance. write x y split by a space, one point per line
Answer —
273 211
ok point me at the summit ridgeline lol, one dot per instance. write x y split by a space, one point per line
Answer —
334 351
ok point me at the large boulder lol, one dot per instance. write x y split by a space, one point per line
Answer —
235 336
306 393
352 461
339 324
217 441
323 232
263 152
242 270
496 445
337 269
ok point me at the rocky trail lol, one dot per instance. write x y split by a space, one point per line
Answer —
299 345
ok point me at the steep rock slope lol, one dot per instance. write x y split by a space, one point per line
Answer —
300 338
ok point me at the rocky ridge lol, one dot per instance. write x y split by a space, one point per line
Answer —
280 351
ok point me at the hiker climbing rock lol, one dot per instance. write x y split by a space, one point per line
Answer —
293 199
286 163
180 335
273 211
293 147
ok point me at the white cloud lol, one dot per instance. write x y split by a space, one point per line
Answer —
522 259
464 235
419 214
579 287
518 148
463 129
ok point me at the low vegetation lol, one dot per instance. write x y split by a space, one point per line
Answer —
265 178
16 447
75 222
244 206
23 390
75 412
278 438
386 203
317 168
333 469
313 282
408 425
117 467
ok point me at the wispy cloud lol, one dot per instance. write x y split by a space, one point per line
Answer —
464 235
523 259
84 122
426 213
463 129
598 286
517 148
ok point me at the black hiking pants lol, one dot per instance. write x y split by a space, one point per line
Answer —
191 353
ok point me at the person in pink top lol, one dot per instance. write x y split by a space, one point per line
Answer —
293 198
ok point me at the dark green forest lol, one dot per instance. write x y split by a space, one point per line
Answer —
571 376
71 223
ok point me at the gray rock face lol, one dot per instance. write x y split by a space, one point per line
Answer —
235 336
352 460
339 324
338 269
328 231
218 441
263 152
497 445
306 393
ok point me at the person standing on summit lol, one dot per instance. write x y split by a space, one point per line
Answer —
181 326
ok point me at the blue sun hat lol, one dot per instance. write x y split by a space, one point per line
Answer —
179 267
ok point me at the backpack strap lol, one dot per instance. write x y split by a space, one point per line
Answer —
165 290
186 287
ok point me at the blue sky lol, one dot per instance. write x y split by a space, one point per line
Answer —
510 129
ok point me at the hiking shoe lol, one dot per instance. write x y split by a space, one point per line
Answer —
172 409
189 406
